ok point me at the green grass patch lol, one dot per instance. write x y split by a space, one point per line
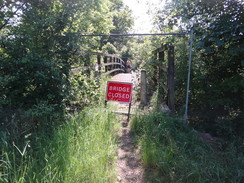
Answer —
81 149
172 152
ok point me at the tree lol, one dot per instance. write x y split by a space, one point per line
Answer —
216 89
122 22
39 44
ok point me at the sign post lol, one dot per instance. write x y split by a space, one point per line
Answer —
120 92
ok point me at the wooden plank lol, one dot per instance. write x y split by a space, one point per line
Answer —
143 88
110 66
155 69
171 80
105 61
161 92
161 49
109 72
78 69
112 63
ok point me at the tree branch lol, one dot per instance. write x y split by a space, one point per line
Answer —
14 13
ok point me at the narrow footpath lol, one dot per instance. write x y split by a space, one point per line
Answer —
128 166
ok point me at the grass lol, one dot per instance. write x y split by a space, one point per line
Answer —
80 150
172 152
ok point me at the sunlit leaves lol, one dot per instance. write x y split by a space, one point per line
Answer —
218 54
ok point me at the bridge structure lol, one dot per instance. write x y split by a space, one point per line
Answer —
106 64
114 64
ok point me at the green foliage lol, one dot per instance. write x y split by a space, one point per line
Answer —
82 149
40 42
84 90
35 57
39 45
217 84
109 48
173 152
122 23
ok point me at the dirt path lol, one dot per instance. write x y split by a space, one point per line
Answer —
128 165
129 168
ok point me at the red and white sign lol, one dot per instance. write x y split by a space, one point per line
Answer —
120 92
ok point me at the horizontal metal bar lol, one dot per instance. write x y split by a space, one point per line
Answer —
135 34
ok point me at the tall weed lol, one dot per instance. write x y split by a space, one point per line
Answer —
81 149
172 152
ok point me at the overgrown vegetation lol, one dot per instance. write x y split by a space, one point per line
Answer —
40 43
44 136
174 152
216 97
170 150
81 149
41 141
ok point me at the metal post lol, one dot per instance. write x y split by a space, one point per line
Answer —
188 78
128 118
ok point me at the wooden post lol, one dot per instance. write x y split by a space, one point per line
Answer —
143 88
170 79
155 69
124 64
105 61
114 60
161 92
99 62
110 66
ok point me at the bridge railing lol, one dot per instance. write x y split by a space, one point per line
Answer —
165 88
109 63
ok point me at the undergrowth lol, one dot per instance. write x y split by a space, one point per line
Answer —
80 149
173 152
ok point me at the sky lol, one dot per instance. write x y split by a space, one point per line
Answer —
140 8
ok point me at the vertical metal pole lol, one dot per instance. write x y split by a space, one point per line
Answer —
188 78
129 112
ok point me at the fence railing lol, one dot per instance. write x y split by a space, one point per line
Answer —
111 63
167 87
